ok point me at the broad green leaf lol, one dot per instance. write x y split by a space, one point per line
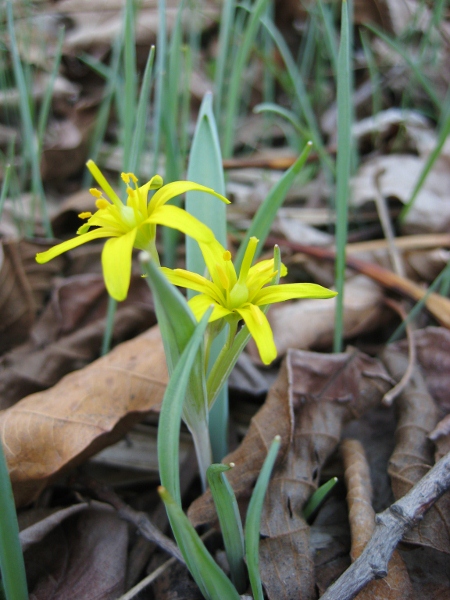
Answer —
171 411
177 324
209 577
253 520
205 167
230 523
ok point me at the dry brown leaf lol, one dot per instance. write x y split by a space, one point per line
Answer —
84 557
274 418
433 354
89 409
413 454
326 392
396 585
68 335
397 175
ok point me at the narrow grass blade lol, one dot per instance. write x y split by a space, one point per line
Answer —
253 520
209 577
5 188
29 135
160 80
140 128
257 11
205 167
130 87
46 102
301 94
418 73
101 121
226 24
230 523
266 213
344 154
11 558
172 409
443 135
330 36
318 497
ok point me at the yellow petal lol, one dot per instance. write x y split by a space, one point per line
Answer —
199 305
260 330
43 257
177 218
289 291
193 281
171 190
116 263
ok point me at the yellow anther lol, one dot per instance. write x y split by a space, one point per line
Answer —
95 192
133 178
227 255
125 177
102 203
85 215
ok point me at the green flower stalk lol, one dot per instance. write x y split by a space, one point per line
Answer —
132 225
241 297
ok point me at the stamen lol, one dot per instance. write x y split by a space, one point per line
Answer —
125 177
227 255
85 215
102 203
96 193
133 178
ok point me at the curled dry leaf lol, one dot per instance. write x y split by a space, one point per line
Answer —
413 454
396 585
310 323
86 411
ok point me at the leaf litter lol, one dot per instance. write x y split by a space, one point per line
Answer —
61 404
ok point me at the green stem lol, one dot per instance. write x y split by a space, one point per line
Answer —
109 328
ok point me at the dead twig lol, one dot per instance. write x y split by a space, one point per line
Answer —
392 394
139 519
397 585
390 527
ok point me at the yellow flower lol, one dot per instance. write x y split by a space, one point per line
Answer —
132 225
240 297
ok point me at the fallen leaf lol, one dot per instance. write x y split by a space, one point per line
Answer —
86 411
82 558
433 355
326 391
